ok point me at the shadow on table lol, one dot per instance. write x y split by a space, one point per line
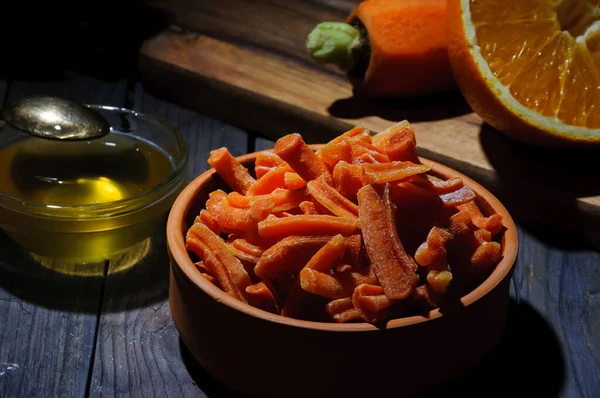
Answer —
140 278
540 186
528 361
416 109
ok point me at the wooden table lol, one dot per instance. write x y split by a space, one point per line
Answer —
112 334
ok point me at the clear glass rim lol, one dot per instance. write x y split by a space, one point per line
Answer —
121 206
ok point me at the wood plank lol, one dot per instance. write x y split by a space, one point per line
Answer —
138 351
257 80
49 319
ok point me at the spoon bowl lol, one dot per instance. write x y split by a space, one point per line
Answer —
55 118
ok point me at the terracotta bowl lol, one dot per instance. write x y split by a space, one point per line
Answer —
261 354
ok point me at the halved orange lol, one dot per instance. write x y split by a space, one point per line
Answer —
530 68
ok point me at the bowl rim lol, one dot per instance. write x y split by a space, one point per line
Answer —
181 259
116 207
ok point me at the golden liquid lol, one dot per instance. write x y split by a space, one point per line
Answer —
64 174
81 173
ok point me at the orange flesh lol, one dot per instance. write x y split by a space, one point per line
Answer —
535 41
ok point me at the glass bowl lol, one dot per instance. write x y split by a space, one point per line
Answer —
125 184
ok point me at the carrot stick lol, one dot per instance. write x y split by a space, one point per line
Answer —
487 255
398 142
308 207
292 149
390 214
397 277
321 284
208 219
262 295
333 153
233 219
391 172
458 197
331 199
283 199
220 263
361 148
438 185
274 179
347 179
247 247
290 255
370 298
293 181
279 228
350 277
242 255
492 223
342 310
231 170
268 159
261 170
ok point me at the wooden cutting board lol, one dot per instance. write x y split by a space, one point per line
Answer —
244 62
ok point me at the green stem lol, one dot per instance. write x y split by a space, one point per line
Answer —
333 43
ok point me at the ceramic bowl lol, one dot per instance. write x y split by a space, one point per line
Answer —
261 354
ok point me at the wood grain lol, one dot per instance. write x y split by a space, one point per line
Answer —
261 80
49 319
138 351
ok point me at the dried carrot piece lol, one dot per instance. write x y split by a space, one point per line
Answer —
440 279
231 170
321 284
426 298
492 223
390 213
350 277
262 295
391 171
353 132
360 148
268 159
220 263
293 181
427 181
433 250
396 276
398 142
331 199
283 199
291 254
370 298
363 159
247 247
347 179
487 255
274 179
242 255
332 153
308 207
434 247
279 228
233 219
327 256
342 310
458 197
261 171
208 219
292 149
